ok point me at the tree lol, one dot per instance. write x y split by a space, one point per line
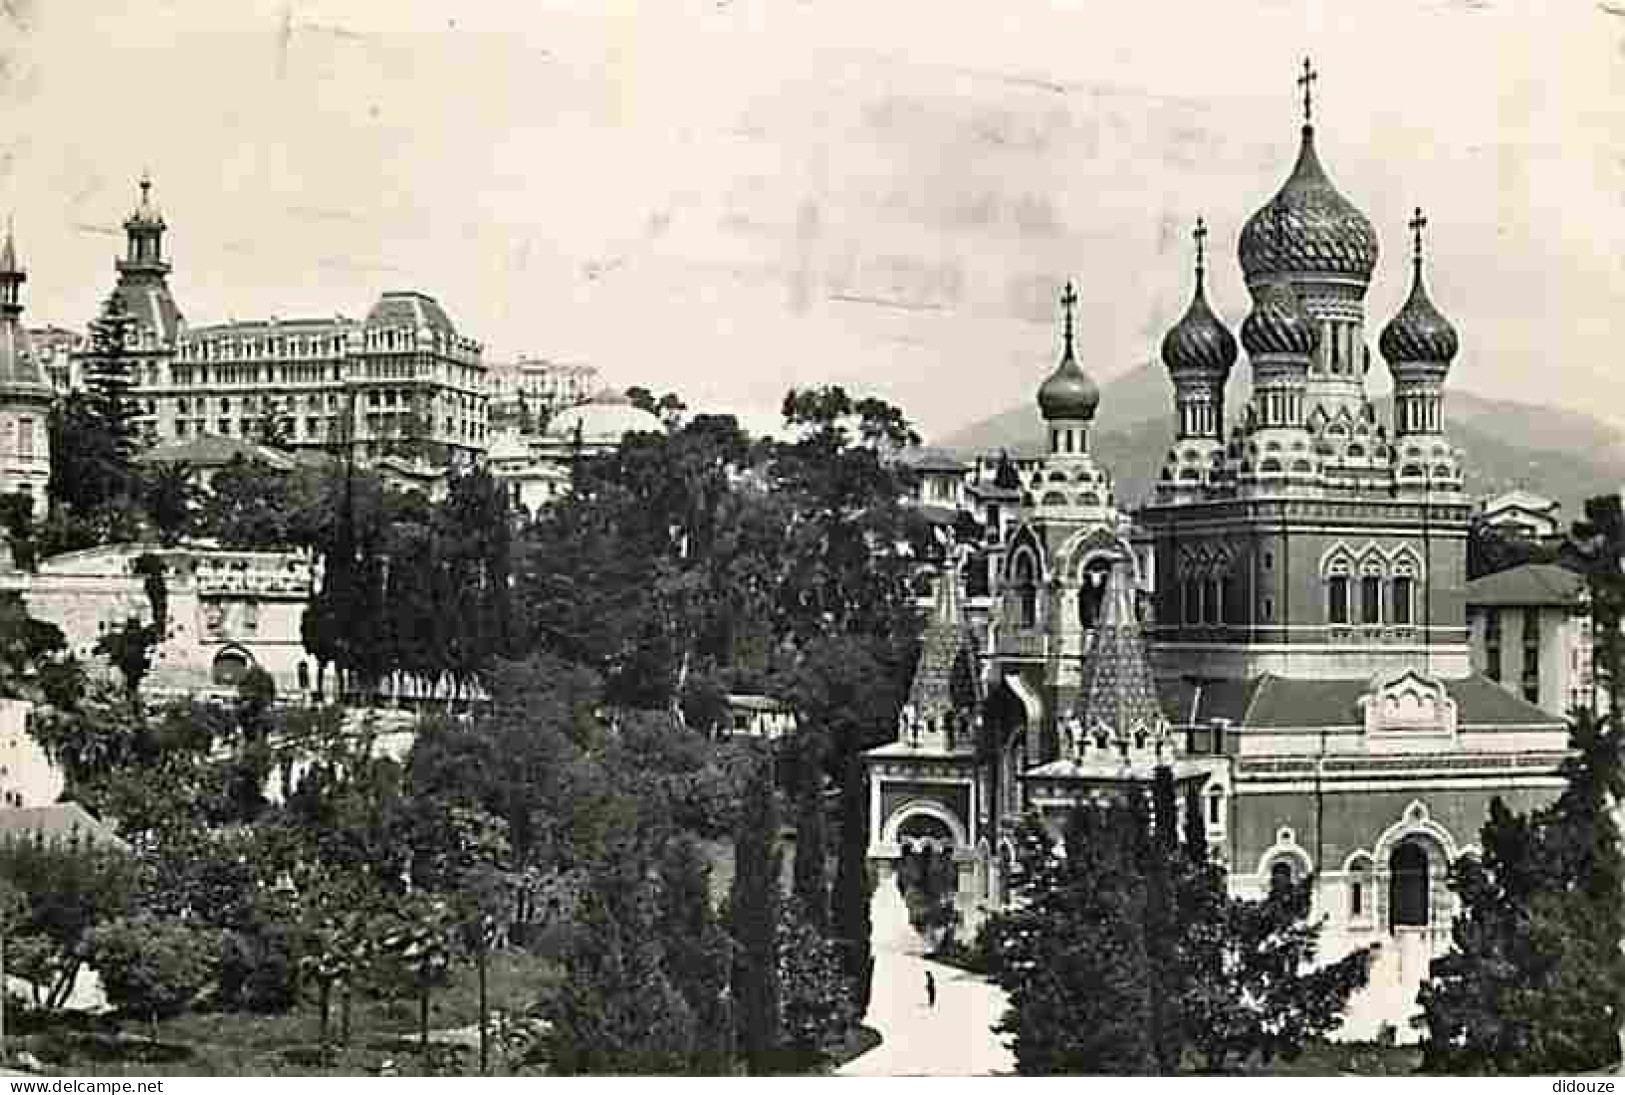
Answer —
1074 959
817 1007
1262 994
753 919
1533 983
66 889
810 885
616 1012
168 493
850 921
129 647
17 522
698 953
153 966
1597 546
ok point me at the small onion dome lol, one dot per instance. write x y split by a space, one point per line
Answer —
1278 323
1308 228
1419 333
1068 393
1199 342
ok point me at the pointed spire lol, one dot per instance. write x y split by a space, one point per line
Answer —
1119 692
8 251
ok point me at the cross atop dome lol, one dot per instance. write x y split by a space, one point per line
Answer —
1199 234
1307 82
1069 301
1416 224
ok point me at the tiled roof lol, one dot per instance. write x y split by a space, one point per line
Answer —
1530 584
1118 690
1269 702
213 451
410 308
61 821
945 676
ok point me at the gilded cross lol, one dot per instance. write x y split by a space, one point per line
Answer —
1200 235
1307 81
1069 300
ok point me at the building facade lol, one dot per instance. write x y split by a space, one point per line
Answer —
1284 627
227 611
401 375
1530 631
25 393
1522 513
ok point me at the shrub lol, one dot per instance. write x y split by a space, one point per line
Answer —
154 966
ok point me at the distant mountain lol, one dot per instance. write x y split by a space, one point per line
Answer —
1565 455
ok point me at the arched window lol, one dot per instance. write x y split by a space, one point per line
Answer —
1370 599
1027 589
1092 591
304 676
1360 895
1408 886
1337 594
1402 592
230 667
1280 875
1191 610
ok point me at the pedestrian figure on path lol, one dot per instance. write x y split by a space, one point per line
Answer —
930 990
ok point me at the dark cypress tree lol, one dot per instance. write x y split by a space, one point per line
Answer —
753 917
852 925
810 884
1161 862
698 953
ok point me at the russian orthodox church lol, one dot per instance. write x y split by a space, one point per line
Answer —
1283 624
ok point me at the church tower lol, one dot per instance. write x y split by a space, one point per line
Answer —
1310 634
25 395
143 275
1309 545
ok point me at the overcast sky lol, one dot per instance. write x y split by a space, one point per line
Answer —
731 197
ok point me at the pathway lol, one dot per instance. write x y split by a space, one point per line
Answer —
952 1039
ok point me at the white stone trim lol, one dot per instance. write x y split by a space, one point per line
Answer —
1286 846
928 808
1416 821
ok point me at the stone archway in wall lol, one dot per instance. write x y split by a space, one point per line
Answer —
230 666
918 896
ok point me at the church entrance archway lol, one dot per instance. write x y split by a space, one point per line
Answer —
1408 886
928 875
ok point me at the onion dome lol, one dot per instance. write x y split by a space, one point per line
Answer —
1419 333
1278 323
1308 228
1068 393
1199 342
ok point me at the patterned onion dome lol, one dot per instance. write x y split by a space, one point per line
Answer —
1308 228
1278 323
1419 333
1199 342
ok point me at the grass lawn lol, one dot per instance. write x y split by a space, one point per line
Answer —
238 1044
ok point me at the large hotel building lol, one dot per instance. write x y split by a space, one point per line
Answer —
402 373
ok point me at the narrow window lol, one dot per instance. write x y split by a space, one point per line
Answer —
1370 599
1403 591
1337 593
